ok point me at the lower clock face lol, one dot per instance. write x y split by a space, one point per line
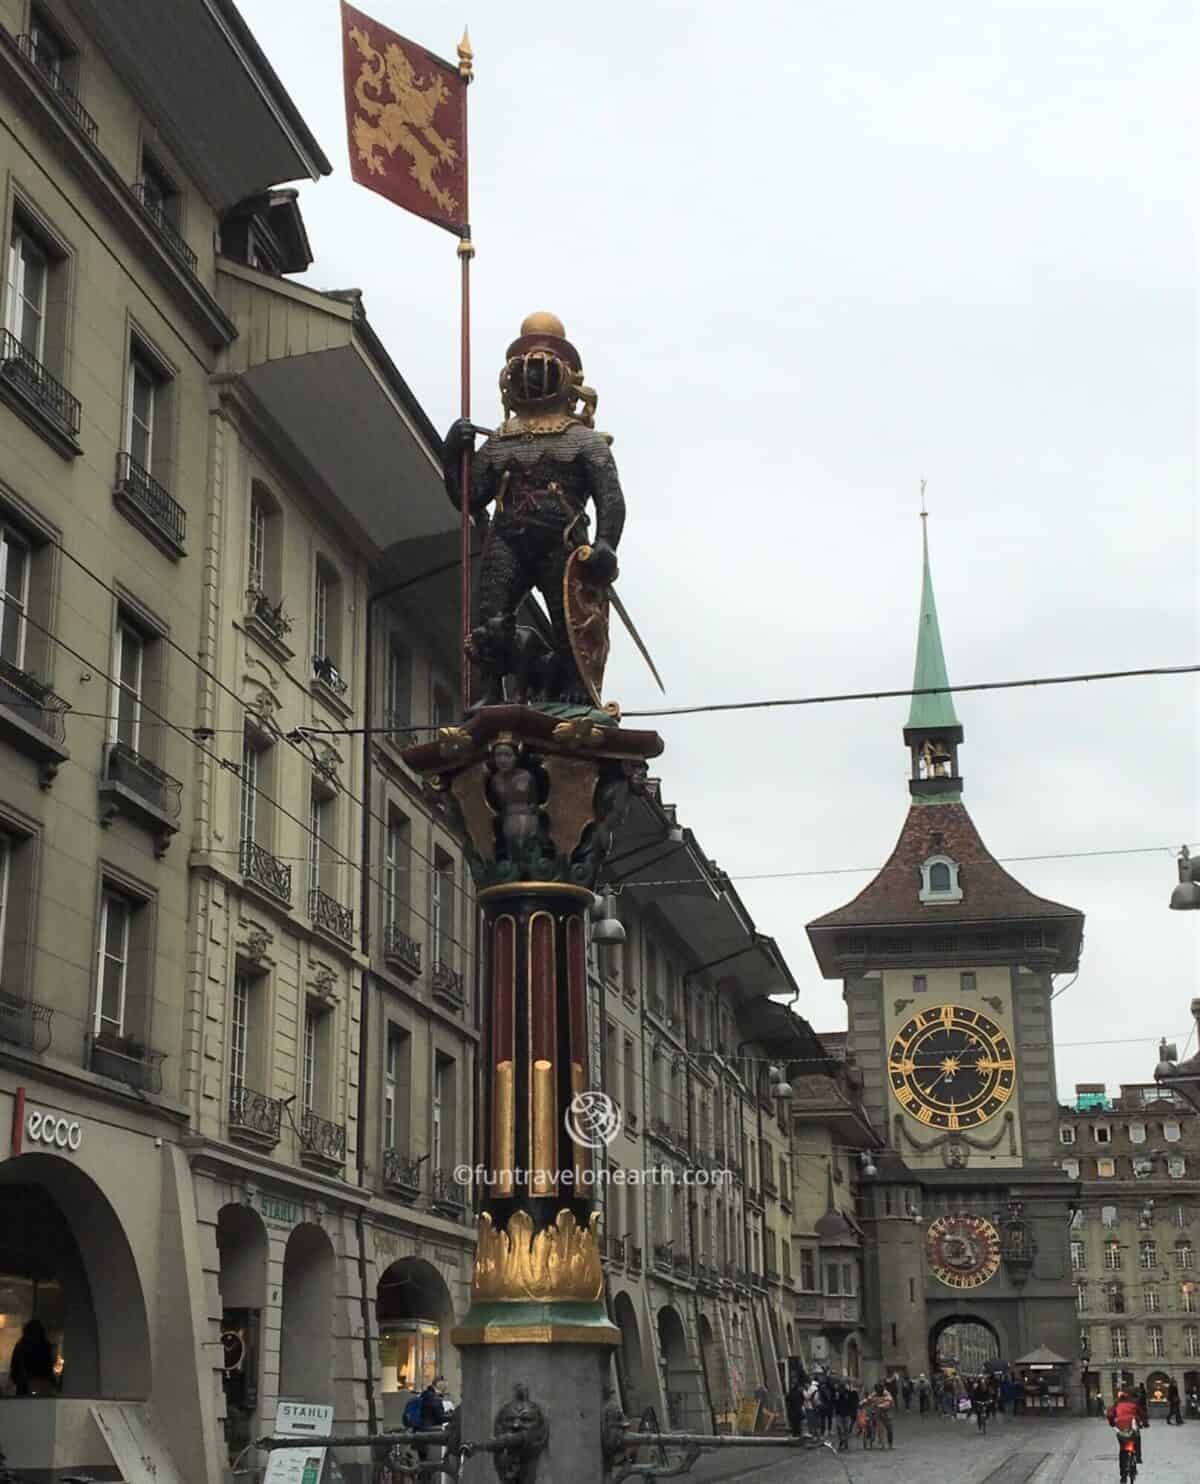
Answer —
951 1068
962 1251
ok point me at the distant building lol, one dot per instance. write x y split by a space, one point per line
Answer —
1134 1235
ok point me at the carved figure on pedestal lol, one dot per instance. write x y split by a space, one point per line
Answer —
515 793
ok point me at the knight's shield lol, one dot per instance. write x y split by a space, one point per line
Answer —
586 606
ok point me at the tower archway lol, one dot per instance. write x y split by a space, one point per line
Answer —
966 1343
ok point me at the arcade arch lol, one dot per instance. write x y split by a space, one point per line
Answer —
415 1314
306 1316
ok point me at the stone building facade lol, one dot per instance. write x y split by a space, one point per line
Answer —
1134 1236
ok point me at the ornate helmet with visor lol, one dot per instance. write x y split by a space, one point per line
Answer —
542 369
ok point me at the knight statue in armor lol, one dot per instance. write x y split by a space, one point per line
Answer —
538 471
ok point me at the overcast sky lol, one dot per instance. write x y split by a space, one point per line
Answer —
812 253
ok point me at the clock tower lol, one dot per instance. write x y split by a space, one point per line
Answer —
947 964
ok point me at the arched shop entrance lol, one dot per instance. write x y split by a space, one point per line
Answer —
65 1259
636 1396
685 1408
306 1316
415 1314
964 1344
242 1283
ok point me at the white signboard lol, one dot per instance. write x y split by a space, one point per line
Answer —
299 1465
53 1129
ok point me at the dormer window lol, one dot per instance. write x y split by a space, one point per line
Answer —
939 880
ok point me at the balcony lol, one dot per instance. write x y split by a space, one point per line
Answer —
682 1265
402 1174
322 1142
329 685
400 951
446 985
663 1259
39 398
837 1313
49 70
254 1117
32 720
612 1249
331 917
773 1275
260 868
25 1022
447 1196
269 624
134 786
126 1059
142 500
149 200
635 1259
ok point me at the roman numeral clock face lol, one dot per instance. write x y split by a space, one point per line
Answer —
951 1068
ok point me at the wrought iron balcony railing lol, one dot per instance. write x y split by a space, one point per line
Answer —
447 985
330 916
613 1248
143 778
144 493
25 1022
447 1195
266 870
401 950
126 1059
321 1138
635 1259
148 199
33 703
255 1113
402 1173
23 371
49 69
328 674
663 1254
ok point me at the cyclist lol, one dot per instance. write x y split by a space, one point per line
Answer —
1123 1415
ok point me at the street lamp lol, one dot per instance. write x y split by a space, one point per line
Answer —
1181 1077
1186 896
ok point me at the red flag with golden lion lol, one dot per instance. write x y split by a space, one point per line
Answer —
406 119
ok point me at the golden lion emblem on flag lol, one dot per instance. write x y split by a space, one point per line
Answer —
402 118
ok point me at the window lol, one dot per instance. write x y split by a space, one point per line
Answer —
308 1085
1114 1298
1066 1133
1154 1339
808 1270
1191 1341
1102 1134
320 829
1143 1167
139 417
441 906
920 983
395 1088
629 1071
5 872
125 725
397 698
442 1145
1112 1256
248 799
254 802
1152 1298
239 1037
1070 1168
327 589
1187 1298
1176 1166
441 707
1184 1256
611 1080
259 516
1180 1216
1148 1254
1108 1215
1137 1133
263 566
831 1278
112 991
1081 1298
1106 1169
396 860
939 880
1172 1131
50 51
1078 1255
28 276
1118 1338
14 594
159 194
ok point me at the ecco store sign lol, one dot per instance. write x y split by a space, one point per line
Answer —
37 1128
50 1128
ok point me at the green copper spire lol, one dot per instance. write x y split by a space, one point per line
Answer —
930 713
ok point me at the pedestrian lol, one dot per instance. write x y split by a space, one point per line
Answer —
884 1403
893 1386
906 1386
845 1406
32 1369
1143 1405
812 1406
981 1401
1173 1412
432 1409
794 1405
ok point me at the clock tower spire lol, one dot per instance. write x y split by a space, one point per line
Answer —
933 732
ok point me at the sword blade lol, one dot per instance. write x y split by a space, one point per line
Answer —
623 614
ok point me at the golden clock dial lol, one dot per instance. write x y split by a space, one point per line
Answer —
962 1251
951 1068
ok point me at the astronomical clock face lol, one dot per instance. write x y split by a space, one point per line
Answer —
962 1251
951 1068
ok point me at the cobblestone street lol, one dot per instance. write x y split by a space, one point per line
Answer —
1071 1451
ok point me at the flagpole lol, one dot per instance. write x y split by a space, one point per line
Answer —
466 251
